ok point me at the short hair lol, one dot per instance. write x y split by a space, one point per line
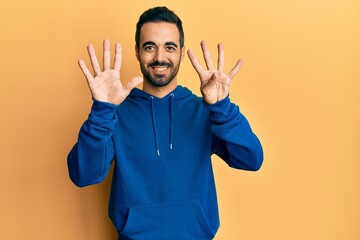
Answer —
159 14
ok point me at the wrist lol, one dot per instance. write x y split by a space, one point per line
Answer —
102 110
222 111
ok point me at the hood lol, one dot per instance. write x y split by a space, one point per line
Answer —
179 93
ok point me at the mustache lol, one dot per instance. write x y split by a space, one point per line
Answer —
160 64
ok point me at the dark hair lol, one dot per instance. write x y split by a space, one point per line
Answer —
159 14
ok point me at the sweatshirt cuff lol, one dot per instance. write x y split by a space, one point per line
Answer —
102 110
222 111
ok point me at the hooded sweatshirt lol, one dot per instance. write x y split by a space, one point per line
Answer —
163 184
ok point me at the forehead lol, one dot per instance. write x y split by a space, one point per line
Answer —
159 32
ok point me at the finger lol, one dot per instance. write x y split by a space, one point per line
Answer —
195 63
118 57
237 67
133 83
85 70
93 59
106 54
220 57
207 56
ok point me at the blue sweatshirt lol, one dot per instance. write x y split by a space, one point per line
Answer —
163 185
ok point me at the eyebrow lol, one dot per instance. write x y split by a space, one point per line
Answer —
170 44
148 43
153 43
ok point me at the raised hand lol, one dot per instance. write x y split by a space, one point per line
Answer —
214 83
105 85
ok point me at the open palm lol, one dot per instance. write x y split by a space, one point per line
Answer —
106 85
214 82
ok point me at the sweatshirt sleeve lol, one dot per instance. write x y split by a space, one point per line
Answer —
90 159
233 139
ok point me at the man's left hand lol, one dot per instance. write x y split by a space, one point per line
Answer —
214 83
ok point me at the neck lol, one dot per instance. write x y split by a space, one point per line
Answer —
159 92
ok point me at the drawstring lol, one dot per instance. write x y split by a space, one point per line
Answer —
171 119
154 125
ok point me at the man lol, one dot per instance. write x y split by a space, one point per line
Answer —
161 138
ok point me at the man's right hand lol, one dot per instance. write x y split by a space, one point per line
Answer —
105 85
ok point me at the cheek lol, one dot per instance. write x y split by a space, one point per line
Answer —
176 59
145 57
144 61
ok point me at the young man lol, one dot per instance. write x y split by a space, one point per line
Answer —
161 138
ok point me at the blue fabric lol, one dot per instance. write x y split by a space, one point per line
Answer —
163 185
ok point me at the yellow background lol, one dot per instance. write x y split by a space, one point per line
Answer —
299 88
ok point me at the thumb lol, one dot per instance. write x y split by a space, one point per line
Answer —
134 82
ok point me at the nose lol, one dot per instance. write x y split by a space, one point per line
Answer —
160 55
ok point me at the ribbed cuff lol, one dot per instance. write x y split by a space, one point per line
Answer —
102 110
222 111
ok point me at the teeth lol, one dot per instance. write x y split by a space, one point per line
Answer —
160 69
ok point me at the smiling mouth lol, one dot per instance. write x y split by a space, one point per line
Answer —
160 69
160 66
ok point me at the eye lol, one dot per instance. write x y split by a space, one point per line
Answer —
170 48
149 48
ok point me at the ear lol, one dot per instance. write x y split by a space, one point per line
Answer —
137 53
182 53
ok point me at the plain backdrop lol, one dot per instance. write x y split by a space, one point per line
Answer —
299 88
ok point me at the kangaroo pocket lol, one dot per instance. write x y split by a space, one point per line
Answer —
163 221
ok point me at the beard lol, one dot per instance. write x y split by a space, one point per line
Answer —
159 80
